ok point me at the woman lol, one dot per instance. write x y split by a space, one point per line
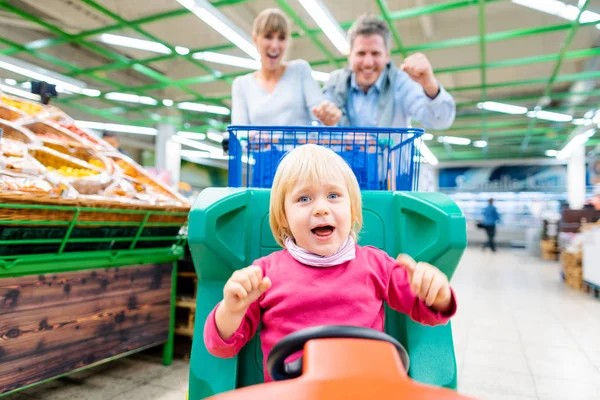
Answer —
280 93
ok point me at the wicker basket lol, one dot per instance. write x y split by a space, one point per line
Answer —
10 113
43 128
18 133
112 211
32 224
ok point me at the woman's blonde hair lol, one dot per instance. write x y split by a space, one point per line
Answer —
310 164
271 20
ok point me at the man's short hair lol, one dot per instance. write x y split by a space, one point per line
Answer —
367 25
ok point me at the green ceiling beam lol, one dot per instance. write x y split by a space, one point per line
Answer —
491 125
311 35
492 37
537 81
383 8
516 62
97 7
548 89
553 96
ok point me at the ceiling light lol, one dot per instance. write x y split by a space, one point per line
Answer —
425 152
501 107
19 92
10 82
208 13
589 114
215 137
182 51
427 136
194 153
199 107
167 102
226 59
197 145
596 119
560 9
91 92
131 98
551 153
243 62
550 116
582 121
140 130
192 135
133 43
454 140
480 143
41 74
327 23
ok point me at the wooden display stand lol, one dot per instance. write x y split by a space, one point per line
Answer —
550 249
571 263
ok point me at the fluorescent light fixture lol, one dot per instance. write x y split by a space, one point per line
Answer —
425 152
10 82
596 119
427 136
226 59
208 13
133 43
501 107
480 143
215 137
560 9
197 145
199 107
551 153
100 126
91 92
18 92
568 149
582 121
182 51
242 62
320 76
550 116
454 140
589 114
328 24
194 153
167 102
192 135
131 98
41 74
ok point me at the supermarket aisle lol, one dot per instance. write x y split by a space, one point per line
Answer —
520 334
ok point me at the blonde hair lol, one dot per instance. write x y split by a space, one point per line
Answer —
271 20
311 164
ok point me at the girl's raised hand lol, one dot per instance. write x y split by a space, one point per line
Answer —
243 288
428 283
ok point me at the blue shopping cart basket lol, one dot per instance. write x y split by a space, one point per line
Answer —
381 158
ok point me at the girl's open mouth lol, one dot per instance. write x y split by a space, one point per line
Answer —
323 232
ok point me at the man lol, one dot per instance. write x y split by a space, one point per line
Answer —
373 92
490 218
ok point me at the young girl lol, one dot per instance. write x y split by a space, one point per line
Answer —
322 277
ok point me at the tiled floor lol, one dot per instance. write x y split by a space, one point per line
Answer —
519 334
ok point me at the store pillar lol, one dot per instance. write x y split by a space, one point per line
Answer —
576 178
168 152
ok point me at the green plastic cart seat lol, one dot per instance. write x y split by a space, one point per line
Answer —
229 228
